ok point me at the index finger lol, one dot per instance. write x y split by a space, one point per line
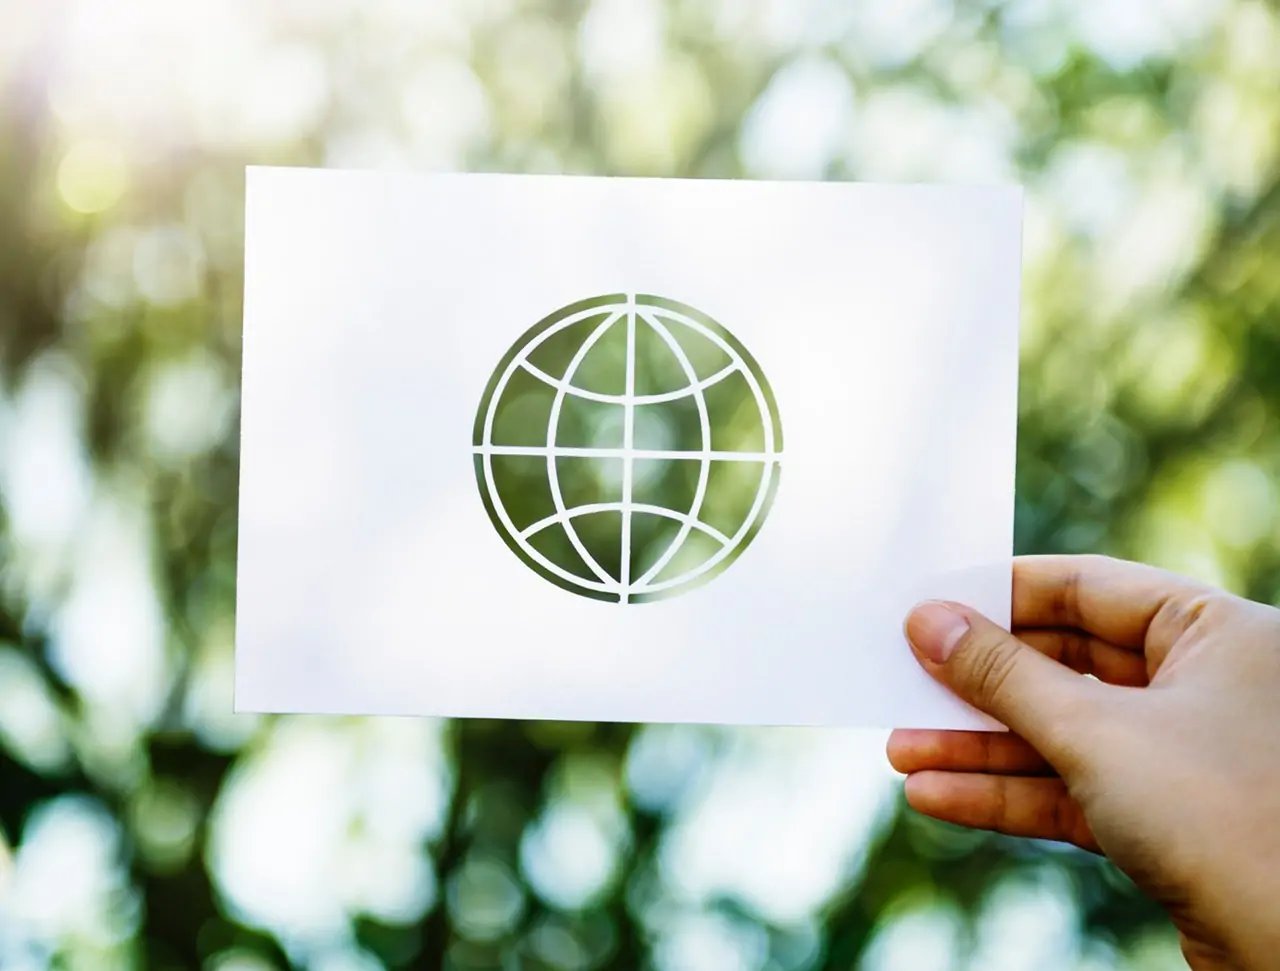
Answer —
1112 599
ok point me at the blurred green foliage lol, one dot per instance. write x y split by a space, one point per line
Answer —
152 828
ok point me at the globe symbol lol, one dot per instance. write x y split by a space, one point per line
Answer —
627 448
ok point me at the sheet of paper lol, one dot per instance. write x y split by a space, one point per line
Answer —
619 449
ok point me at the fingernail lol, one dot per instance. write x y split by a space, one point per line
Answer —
935 629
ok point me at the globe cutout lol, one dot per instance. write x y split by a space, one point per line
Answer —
627 448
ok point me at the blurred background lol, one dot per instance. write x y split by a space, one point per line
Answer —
148 827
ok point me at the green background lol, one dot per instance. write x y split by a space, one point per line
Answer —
151 828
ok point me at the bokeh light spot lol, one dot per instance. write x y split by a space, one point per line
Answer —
91 177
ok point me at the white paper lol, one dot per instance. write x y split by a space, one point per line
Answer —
377 308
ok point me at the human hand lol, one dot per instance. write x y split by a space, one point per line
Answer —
1168 762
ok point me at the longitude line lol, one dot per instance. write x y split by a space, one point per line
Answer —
553 478
763 402
700 402
628 443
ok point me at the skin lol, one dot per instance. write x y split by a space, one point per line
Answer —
1167 760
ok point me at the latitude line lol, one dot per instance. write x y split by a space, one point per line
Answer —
628 441
571 451
593 507
640 399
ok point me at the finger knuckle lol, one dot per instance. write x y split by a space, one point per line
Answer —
992 666
996 810
1177 615
1077 651
1095 562
1061 821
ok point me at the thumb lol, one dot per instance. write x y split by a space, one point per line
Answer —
988 667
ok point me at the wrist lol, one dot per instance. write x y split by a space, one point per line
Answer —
1242 900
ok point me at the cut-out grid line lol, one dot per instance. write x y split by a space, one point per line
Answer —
674 315
548 564
518 361
604 585
641 507
735 541
588 452
657 398
763 404
765 409
704 465
553 476
628 445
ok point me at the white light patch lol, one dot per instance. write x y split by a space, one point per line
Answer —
1029 925
568 856
903 133
188 408
693 942
289 91
800 124
346 808
1164 230
925 938
67 882
890 34
622 38
1090 184
445 110
1127 32
663 761
30 722
168 265
45 475
108 634
781 821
